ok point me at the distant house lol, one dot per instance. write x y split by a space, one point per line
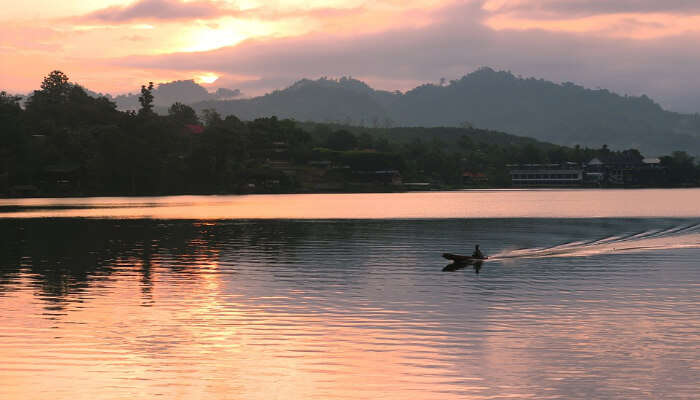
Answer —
24 191
652 162
280 147
390 177
194 129
594 172
61 178
474 178
321 163
565 174
626 168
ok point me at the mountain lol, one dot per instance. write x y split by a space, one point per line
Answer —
565 114
165 94
325 100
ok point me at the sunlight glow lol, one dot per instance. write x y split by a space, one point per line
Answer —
210 39
207 78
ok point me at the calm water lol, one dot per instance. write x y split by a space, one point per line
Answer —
209 300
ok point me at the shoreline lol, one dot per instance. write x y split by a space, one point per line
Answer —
431 190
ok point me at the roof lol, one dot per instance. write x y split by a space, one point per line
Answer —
192 128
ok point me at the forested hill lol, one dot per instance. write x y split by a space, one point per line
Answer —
346 101
565 113
65 142
165 94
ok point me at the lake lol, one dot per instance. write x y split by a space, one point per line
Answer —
587 294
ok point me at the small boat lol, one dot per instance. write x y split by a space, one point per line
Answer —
459 259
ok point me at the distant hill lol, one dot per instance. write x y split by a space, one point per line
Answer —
165 94
565 114
325 100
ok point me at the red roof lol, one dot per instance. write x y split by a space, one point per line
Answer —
474 175
197 129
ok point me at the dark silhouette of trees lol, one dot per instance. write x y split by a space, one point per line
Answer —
341 140
146 99
183 113
496 100
55 86
681 168
66 142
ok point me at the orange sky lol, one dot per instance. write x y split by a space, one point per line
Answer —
87 40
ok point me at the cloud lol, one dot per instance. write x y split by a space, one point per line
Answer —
177 10
160 10
578 8
455 44
134 38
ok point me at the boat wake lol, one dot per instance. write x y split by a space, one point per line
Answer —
677 237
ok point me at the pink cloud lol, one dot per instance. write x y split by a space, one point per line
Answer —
160 10
174 10
579 8
455 44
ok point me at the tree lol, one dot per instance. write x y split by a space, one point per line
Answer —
56 86
341 140
211 117
365 141
8 101
681 167
146 99
10 120
465 143
183 114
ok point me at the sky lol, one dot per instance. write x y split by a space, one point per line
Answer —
630 46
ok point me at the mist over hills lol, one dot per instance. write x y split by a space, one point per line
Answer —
165 94
565 114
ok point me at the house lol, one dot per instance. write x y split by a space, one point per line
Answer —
474 178
24 191
194 129
388 177
565 174
626 168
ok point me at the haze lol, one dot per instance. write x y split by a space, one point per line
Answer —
629 46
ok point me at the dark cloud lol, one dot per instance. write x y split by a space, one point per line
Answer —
456 44
160 10
577 8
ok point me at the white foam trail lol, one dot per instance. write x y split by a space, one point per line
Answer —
672 238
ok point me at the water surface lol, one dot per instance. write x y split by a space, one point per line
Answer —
458 204
115 308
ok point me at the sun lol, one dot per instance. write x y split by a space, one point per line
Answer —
207 78
206 39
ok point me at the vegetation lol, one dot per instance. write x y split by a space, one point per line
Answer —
66 142
565 114
165 94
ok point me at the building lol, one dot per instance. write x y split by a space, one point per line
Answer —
627 168
474 178
387 177
565 174
615 169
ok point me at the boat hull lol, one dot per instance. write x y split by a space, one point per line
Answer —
460 259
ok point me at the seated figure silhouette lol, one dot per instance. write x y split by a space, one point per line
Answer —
477 253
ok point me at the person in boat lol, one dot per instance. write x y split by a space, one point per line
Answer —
477 253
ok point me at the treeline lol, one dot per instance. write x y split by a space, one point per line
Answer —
564 114
66 142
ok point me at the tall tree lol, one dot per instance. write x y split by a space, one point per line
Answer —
56 86
183 114
146 99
